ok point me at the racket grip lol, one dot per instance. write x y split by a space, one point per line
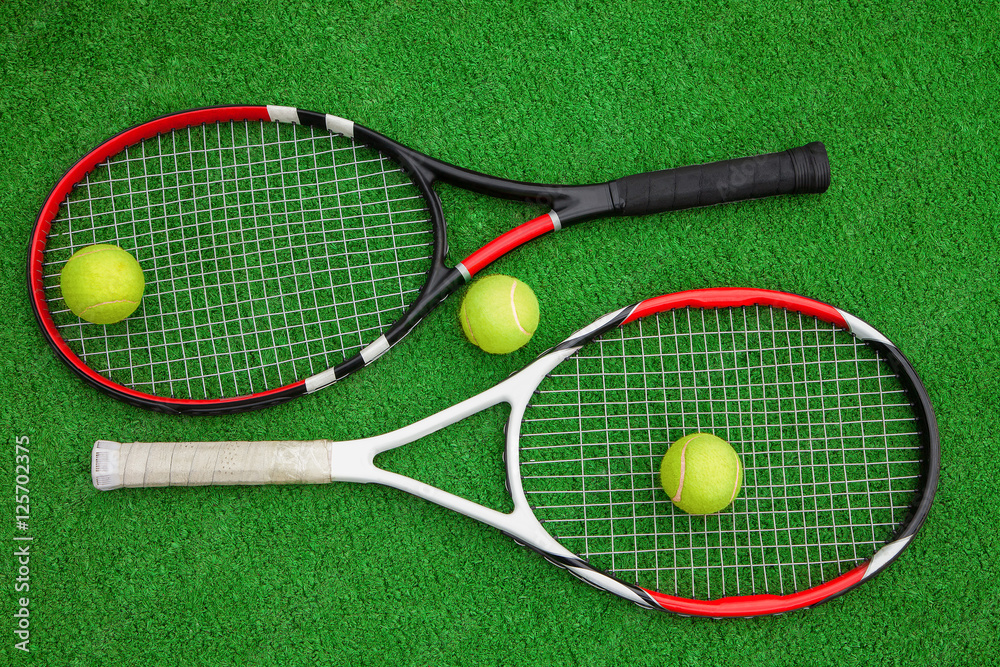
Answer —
145 464
798 170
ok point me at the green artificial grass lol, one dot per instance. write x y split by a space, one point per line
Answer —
902 94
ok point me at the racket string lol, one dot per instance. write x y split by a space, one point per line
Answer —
828 439
271 252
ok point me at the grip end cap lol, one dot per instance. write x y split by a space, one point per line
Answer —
812 168
105 470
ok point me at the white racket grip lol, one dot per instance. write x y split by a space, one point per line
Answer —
144 464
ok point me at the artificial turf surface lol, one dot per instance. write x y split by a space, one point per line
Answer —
902 94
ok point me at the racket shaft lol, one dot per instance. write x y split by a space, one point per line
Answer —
143 464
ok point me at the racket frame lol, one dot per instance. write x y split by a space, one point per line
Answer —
354 461
804 169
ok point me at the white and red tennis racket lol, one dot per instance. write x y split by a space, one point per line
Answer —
834 428
285 249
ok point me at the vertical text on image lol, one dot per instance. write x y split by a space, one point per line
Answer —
22 543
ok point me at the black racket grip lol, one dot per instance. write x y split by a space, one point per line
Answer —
797 170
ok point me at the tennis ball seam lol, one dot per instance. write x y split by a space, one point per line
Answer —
86 252
107 303
468 325
680 481
513 309
737 480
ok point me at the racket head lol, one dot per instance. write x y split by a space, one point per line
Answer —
834 428
184 193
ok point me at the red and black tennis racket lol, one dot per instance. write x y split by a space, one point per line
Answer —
835 431
285 249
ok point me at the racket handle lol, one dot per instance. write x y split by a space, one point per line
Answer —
141 464
798 170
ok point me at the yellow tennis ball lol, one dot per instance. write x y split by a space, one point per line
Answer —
701 473
102 284
499 314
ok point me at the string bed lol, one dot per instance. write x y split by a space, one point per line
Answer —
827 436
271 252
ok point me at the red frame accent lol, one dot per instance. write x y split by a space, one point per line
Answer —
730 297
76 173
506 242
131 136
759 605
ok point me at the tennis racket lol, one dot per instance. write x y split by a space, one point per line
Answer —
284 249
834 428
